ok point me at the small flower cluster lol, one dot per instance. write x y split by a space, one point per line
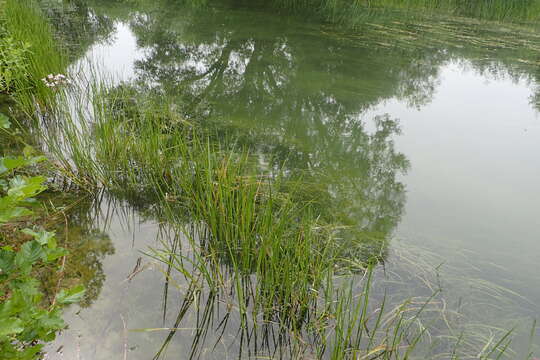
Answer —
54 81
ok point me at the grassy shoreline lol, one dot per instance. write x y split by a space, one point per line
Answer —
36 282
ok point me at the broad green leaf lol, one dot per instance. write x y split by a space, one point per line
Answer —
16 186
26 187
45 237
35 185
10 163
52 321
73 295
42 237
13 213
30 252
4 122
7 202
30 353
28 287
7 259
11 326
17 304
53 254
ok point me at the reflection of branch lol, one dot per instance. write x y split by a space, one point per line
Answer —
135 271
201 76
220 65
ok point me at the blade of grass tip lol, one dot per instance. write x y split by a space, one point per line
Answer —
503 350
530 353
223 325
359 309
377 322
496 347
412 345
188 275
186 304
365 305
421 310
397 334
454 350
166 287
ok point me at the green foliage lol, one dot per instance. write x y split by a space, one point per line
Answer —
17 190
32 53
4 122
26 319
13 63
71 296
256 226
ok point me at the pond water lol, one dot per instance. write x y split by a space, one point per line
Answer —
426 131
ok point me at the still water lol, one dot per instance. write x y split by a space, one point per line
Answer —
427 132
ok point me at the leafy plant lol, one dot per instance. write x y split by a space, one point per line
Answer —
26 319
13 64
4 122
29 52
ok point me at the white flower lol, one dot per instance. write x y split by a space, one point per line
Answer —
57 80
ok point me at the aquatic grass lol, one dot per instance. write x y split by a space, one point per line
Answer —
354 12
498 10
242 224
349 321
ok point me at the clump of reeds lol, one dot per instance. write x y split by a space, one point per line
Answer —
348 321
242 219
